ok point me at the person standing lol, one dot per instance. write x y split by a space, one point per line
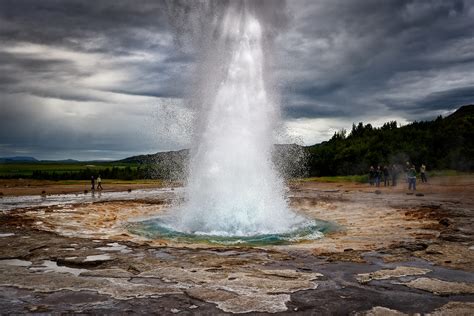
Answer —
394 173
378 176
412 178
371 175
386 176
92 183
407 170
423 173
99 183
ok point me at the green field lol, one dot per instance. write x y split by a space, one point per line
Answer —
365 178
9 170
134 171
360 179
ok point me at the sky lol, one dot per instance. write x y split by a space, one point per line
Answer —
106 79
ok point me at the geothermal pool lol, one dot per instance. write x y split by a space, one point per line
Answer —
159 229
148 215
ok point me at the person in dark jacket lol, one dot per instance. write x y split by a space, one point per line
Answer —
412 178
386 176
92 183
378 176
371 175
394 172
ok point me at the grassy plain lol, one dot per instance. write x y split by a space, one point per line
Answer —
365 178
334 179
9 170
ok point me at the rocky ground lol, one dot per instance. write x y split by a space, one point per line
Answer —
393 254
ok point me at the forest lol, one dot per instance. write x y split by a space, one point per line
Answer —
444 143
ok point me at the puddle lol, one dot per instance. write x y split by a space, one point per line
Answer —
15 262
52 266
13 202
115 247
98 258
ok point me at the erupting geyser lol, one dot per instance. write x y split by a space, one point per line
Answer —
233 188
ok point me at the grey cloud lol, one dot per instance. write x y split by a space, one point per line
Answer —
78 23
315 110
363 44
49 134
149 92
454 98
447 100
39 77
30 63
111 28
63 95
333 59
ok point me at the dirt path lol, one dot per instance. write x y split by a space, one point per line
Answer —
19 187
23 187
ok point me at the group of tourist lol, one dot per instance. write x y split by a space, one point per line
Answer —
391 174
94 181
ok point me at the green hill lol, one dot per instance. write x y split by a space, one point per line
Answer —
445 143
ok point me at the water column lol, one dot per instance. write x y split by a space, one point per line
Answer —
233 189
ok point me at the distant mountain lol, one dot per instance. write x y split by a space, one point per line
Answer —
18 159
463 112
289 159
33 160
163 165
179 155
68 161
61 161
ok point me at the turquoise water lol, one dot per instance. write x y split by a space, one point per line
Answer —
156 229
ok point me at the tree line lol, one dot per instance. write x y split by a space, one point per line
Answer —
146 171
445 143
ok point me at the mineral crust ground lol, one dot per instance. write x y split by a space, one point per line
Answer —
395 254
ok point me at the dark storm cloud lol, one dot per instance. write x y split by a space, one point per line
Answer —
348 53
55 53
31 63
66 22
454 97
62 132
26 74
113 28
315 110
72 69
448 100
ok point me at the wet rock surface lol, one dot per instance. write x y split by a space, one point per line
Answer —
394 255
441 287
398 272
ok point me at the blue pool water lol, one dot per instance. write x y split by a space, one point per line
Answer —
157 228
